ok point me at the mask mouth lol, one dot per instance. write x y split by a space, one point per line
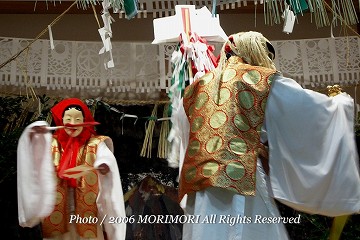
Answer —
271 50
72 131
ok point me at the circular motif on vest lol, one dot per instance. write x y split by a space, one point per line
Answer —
246 99
241 122
210 168
59 197
189 91
56 217
222 97
197 123
235 170
193 148
90 198
206 78
89 214
89 234
201 99
228 75
190 174
252 77
218 119
191 110
91 178
238 146
214 144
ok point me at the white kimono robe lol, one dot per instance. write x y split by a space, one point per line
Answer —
313 156
37 186
313 166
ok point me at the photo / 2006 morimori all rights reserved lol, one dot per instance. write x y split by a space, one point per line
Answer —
196 219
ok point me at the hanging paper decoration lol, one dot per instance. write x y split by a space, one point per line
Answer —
202 58
193 56
298 6
289 19
343 11
271 12
106 34
189 62
318 10
130 8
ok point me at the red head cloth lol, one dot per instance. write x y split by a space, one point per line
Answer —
71 145
58 110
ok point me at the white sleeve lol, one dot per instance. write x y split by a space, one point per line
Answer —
36 184
179 136
110 201
312 151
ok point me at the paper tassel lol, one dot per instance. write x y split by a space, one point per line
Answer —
106 34
289 20
344 11
150 124
318 10
271 12
298 6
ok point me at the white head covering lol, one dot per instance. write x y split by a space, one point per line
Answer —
252 47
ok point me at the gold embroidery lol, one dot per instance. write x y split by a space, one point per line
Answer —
214 144
224 137
85 195
235 170
218 119
56 217
223 96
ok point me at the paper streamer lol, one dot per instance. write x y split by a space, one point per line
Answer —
52 46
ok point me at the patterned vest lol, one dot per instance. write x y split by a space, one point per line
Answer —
85 195
225 123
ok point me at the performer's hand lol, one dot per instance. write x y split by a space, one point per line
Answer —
103 169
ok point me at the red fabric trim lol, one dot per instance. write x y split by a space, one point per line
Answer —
71 145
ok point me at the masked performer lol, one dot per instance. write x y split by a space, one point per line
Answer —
248 134
67 207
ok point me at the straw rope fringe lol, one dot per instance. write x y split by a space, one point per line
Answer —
149 129
164 145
